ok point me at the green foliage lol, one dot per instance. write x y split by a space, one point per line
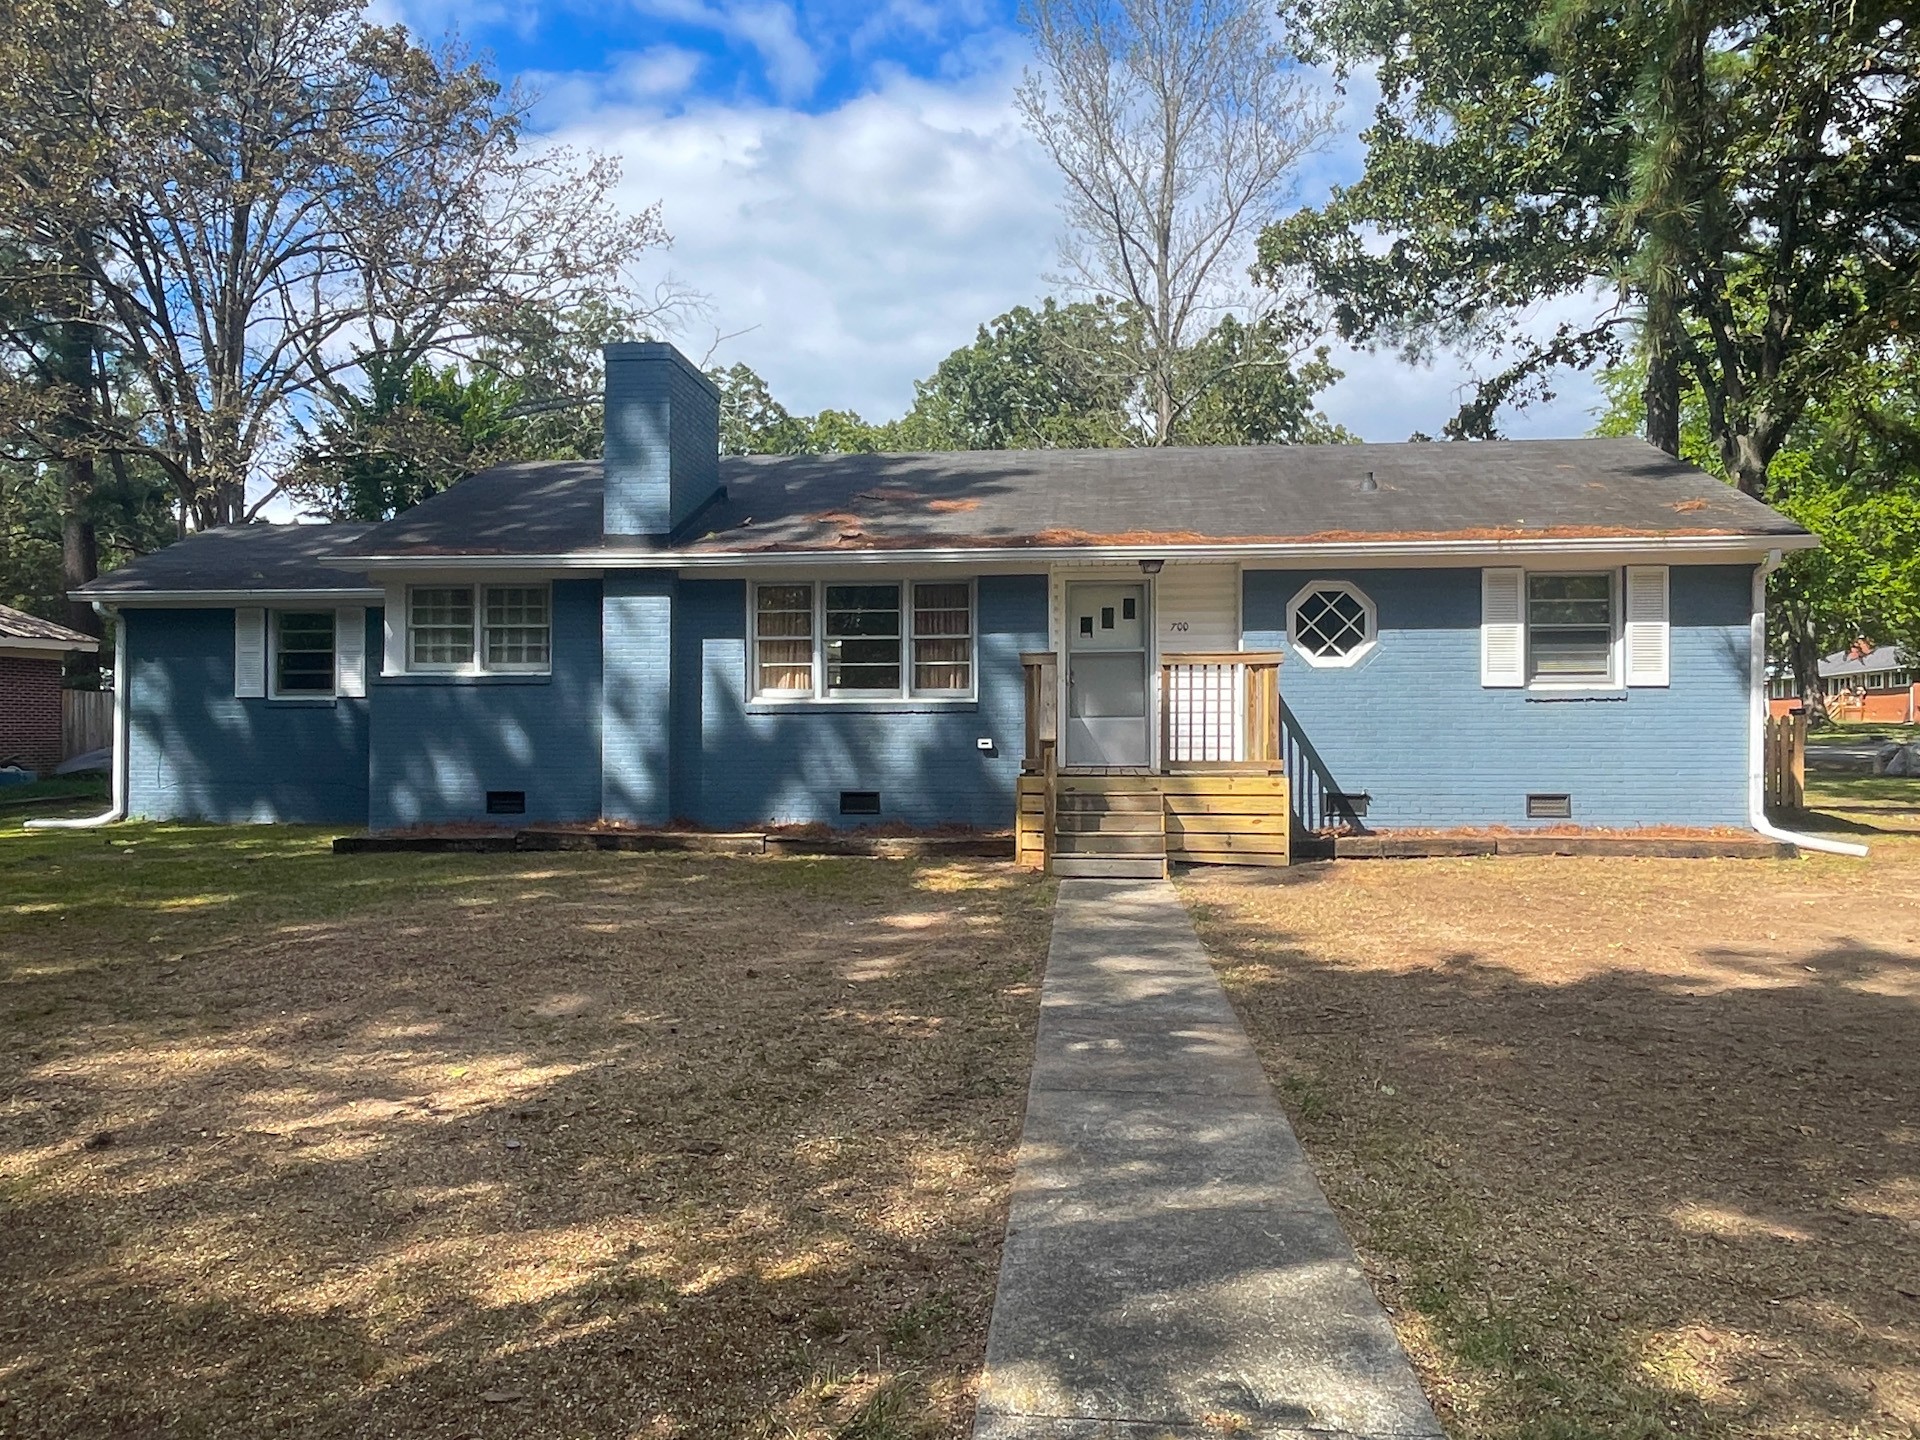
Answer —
128 508
1056 377
1740 173
1060 377
1849 471
408 437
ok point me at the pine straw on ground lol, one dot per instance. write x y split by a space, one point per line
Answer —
594 1145
1631 1148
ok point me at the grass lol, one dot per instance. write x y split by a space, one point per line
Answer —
457 1145
1861 729
80 790
1630 1148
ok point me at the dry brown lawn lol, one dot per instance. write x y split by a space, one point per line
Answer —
500 1146
1631 1148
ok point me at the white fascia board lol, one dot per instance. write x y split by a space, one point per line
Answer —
1675 548
11 644
223 599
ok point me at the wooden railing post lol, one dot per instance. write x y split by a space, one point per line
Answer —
1050 772
1041 671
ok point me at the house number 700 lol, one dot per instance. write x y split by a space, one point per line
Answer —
1178 627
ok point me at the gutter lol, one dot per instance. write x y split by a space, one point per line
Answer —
1757 728
122 681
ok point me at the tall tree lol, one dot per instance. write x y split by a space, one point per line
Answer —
1850 472
1179 126
1057 377
1740 174
246 199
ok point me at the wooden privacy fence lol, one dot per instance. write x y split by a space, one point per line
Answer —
1785 758
86 721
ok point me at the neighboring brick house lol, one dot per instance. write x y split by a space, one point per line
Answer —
1532 632
32 654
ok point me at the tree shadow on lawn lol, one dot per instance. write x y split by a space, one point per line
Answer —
1621 1198
588 1145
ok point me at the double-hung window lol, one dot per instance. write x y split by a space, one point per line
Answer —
887 640
303 659
1570 629
479 629
943 639
518 628
863 640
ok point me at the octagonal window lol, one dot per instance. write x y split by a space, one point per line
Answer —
1332 623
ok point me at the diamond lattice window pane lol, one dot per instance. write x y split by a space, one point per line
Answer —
1330 623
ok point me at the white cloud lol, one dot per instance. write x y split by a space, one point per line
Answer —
770 29
860 245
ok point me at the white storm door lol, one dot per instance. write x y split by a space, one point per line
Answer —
1106 675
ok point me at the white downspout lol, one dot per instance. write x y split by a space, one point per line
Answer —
122 680
1757 728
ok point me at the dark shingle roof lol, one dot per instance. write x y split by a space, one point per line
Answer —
1000 499
239 557
1881 658
1009 498
18 625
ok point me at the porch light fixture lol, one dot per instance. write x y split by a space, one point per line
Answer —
1151 567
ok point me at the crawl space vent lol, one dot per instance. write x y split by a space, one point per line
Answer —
1549 807
859 802
506 802
1353 804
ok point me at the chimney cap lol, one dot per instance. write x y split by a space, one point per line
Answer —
650 352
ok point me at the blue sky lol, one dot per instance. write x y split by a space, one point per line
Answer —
848 186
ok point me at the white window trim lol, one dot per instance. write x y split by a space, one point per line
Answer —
477 666
1352 657
905 696
1616 660
274 692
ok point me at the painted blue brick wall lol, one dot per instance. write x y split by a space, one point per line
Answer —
736 765
440 743
1412 726
662 442
639 690
196 753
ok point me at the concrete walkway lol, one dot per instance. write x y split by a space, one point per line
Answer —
1172 1267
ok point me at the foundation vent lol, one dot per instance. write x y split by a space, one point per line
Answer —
506 802
859 802
1549 807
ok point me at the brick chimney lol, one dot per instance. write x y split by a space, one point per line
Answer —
662 441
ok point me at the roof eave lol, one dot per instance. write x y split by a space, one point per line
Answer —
279 596
46 645
1322 551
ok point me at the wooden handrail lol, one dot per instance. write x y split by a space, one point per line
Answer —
1221 657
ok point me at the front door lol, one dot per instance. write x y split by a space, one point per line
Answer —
1106 674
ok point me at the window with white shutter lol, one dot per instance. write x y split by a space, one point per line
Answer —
1503 631
350 650
1648 641
249 653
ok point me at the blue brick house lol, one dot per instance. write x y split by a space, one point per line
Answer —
1503 634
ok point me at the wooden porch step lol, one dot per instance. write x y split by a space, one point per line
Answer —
1110 867
1106 843
1100 801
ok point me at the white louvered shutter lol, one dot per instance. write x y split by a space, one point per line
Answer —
249 653
350 651
1647 631
1503 628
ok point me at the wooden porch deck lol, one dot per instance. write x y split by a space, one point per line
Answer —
1218 796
